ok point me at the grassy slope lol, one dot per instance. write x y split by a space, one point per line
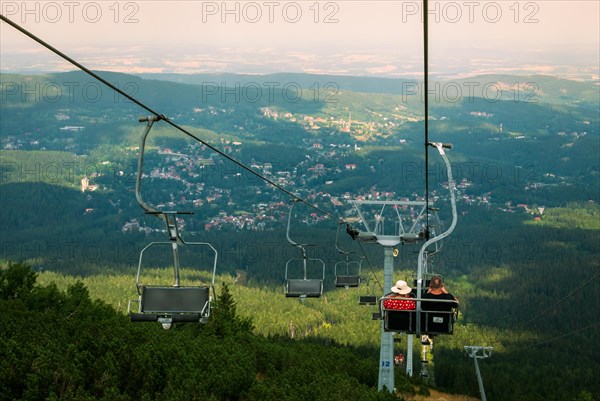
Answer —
338 317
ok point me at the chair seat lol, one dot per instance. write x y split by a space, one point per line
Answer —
311 288
174 300
367 300
347 281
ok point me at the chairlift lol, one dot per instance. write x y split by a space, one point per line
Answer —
348 277
303 287
431 316
366 297
437 317
173 303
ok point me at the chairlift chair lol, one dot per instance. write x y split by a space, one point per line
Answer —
347 280
302 287
432 321
365 297
344 277
367 300
174 303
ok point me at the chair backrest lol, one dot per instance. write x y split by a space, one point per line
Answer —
431 322
347 281
174 299
299 287
400 321
437 322
367 300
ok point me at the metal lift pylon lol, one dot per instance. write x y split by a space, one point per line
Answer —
478 352
400 234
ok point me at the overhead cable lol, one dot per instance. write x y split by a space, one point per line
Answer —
426 109
370 265
560 301
562 335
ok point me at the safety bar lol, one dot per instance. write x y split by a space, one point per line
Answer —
214 270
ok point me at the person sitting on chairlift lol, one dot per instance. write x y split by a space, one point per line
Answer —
399 298
438 291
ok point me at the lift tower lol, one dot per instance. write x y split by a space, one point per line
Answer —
389 237
478 352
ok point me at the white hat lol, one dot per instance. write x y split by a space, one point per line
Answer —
401 287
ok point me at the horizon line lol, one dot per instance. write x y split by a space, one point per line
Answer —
417 76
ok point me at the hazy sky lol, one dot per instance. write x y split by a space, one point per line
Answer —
359 37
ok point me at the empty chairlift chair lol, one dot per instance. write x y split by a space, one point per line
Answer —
366 297
347 273
301 286
305 285
172 303
176 302
346 280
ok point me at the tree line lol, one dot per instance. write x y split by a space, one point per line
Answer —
62 345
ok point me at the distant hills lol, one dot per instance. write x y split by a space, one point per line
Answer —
536 129
553 87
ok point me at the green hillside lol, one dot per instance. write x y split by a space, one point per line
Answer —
65 346
508 289
523 259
